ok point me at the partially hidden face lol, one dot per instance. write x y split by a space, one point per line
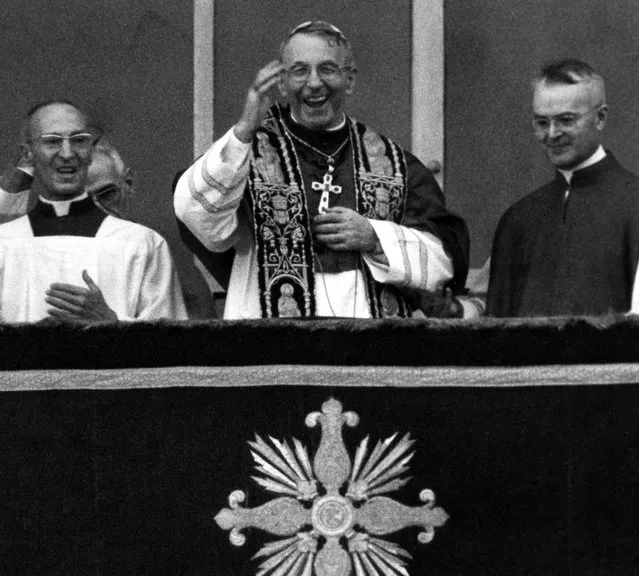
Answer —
316 102
110 181
60 167
568 121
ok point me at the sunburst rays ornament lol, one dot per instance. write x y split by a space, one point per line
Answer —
330 515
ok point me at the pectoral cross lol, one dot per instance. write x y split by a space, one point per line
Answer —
326 187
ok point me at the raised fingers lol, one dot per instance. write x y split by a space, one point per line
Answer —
268 76
89 281
258 100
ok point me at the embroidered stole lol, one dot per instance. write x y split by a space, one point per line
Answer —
281 218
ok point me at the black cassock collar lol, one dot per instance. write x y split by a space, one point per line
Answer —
325 140
589 175
84 219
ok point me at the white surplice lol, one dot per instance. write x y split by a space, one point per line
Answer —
129 262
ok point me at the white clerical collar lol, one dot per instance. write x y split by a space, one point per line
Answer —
599 154
334 129
62 207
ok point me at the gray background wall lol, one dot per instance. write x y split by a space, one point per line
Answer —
130 63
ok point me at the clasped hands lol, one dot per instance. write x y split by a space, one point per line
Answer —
77 304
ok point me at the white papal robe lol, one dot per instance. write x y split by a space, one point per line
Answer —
129 262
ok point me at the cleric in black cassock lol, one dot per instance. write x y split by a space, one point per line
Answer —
571 247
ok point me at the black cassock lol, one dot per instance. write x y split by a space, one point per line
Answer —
568 249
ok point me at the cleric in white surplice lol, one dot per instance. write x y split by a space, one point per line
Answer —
69 260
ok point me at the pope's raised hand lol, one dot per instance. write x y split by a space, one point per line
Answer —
77 304
258 100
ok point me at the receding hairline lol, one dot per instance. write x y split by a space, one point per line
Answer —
323 30
27 122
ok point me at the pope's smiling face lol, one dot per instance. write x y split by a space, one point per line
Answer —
318 100
60 148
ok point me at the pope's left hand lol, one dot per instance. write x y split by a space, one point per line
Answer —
77 304
344 229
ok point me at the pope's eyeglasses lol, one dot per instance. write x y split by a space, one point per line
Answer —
328 72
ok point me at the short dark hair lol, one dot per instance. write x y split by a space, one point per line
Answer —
572 71
567 71
325 29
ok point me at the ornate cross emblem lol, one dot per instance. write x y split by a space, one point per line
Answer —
334 498
326 187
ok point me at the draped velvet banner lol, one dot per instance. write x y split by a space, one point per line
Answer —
111 466
483 342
